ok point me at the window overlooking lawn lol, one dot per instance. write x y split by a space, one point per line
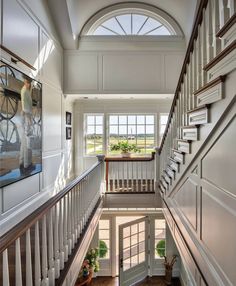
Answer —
138 129
93 134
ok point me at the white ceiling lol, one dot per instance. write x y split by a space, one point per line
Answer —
70 15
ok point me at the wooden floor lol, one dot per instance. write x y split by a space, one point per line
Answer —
109 281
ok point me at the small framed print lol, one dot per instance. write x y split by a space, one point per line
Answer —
68 118
68 133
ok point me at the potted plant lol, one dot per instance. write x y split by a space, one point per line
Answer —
125 148
169 268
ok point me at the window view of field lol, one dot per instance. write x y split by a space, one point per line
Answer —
135 129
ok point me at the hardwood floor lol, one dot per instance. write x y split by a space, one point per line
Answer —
109 281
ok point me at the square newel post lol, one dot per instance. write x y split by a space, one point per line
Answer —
157 167
101 158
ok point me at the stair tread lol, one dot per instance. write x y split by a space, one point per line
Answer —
170 158
184 140
190 126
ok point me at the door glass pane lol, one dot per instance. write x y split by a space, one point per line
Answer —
134 250
126 264
126 242
141 226
141 236
141 257
126 232
141 246
134 260
134 229
126 253
134 239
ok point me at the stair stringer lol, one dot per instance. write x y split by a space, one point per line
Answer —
214 199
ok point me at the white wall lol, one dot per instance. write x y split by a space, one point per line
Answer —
109 106
29 33
104 65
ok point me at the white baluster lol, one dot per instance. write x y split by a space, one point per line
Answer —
51 271
37 265
61 238
45 280
216 27
225 12
29 280
5 269
69 222
65 225
209 33
146 175
56 240
232 7
18 273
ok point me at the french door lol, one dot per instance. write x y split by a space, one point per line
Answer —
133 251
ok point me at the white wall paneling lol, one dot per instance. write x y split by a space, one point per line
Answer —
20 191
81 72
51 118
20 32
118 71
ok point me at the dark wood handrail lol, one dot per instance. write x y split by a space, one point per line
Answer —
190 48
9 237
19 59
130 159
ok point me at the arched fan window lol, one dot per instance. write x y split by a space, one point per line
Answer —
132 24
131 19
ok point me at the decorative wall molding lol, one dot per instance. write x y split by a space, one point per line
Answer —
190 133
184 146
199 116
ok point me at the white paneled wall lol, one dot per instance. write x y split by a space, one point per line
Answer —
103 66
28 32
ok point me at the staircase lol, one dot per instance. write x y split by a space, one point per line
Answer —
48 246
197 156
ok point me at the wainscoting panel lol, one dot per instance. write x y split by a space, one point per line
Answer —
24 42
186 199
219 164
219 229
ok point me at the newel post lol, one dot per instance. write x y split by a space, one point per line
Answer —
101 158
157 167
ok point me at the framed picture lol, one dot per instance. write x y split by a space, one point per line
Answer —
68 118
20 125
68 133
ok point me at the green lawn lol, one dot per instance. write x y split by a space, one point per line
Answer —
97 144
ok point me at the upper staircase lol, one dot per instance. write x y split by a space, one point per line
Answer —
197 157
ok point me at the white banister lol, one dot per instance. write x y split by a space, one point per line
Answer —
29 279
5 268
56 240
45 280
51 271
18 274
37 264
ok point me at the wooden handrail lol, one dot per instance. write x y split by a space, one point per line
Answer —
17 57
190 48
130 159
9 237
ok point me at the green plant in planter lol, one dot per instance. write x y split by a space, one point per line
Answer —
92 259
124 147
160 248
102 249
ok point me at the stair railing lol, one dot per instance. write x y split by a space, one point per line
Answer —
210 42
130 174
37 249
